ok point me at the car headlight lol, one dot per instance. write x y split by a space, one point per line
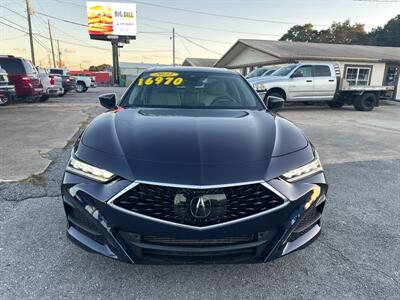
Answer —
89 171
259 87
304 171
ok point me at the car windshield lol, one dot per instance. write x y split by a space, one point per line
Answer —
269 72
188 89
284 71
12 66
256 73
56 71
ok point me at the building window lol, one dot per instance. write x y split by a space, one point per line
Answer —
358 75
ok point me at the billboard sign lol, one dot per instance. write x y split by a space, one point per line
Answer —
111 20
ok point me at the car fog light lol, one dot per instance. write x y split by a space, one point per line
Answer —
314 196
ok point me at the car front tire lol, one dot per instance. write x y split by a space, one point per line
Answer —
44 98
80 87
335 103
5 100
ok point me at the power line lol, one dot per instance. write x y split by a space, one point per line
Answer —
210 28
77 44
85 25
379 1
23 30
198 45
13 11
191 37
61 19
13 38
222 15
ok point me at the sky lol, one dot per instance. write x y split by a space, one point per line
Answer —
198 35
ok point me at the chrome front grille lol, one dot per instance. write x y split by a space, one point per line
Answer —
198 207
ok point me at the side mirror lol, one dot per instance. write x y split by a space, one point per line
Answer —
109 101
274 103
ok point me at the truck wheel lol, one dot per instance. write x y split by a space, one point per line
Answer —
44 98
365 102
4 100
335 103
80 87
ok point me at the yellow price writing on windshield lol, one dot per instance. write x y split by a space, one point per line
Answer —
160 80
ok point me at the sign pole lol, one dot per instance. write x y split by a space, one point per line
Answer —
173 47
114 44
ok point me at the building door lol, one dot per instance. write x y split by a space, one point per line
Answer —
392 74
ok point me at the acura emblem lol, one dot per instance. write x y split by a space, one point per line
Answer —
200 207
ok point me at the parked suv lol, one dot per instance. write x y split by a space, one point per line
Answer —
24 76
7 91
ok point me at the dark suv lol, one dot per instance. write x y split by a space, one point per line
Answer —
7 91
24 76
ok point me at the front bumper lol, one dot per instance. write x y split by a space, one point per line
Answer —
99 227
7 90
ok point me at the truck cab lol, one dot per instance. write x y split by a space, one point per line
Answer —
311 82
301 82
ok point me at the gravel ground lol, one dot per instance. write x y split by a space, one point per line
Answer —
356 256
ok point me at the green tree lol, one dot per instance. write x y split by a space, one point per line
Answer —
337 33
346 33
301 33
389 35
98 68
343 33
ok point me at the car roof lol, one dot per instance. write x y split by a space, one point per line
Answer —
11 57
190 69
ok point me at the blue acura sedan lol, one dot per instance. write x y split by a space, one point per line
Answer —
192 166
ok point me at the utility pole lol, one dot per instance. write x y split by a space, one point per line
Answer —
51 42
59 53
173 46
29 13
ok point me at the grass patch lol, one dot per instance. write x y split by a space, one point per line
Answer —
69 143
36 180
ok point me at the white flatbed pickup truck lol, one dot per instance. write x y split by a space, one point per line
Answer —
81 82
307 82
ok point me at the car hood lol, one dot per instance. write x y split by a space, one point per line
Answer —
267 79
188 145
258 78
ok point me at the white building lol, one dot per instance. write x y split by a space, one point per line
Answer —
130 71
359 64
199 62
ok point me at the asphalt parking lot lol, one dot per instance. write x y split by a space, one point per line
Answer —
356 256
